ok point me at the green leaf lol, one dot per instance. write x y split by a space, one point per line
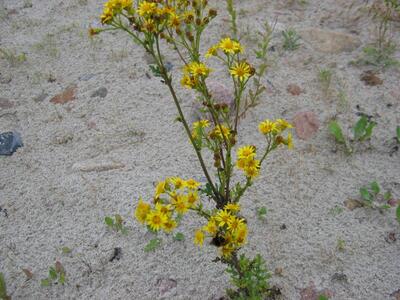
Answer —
375 187
109 221
66 250
387 196
52 273
62 278
152 245
385 206
118 220
359 128
323 297
3 287
261 212
398 214
179 237
398 133
365 195
45 282
368 130
336 131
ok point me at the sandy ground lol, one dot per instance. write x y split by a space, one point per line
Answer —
58 188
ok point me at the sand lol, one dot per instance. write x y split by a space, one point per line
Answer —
93 157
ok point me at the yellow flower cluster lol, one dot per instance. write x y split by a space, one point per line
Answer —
198 128
275 129
247 162
193 72
227 229
226 45
173 197
113 8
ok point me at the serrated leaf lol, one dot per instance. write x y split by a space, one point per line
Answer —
359 127
398 213
375 187
109 221
336 131
365 194
45 282
179 237
152 245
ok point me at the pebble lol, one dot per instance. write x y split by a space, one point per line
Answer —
86 77
10 142
41 97
101 92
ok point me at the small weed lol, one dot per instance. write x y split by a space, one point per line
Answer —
398 134
379 57
325 79
250 277
371 195
116 224
56 275
398 213
337 210
261 213
3 288
66 250
362 131
290 39
323 297
341 244
27 4
12 57
152 245
179 236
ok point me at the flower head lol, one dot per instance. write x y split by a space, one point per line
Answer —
156 219
199 237
241 71
246 152
266 127
141 211
230 46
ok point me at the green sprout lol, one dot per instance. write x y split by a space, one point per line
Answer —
290 39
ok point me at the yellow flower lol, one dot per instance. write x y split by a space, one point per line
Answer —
165 209
223 218
198 69
160 188
226 251
212 51
266 127
174 20
289 141
141 211
241 234
281 124
156 220
253 164
192 184
246 152
192 198
234 207
188 82
147 8
221 131
178 183
252 172
241 163
180 203
169 225
234 223
199 237
241 71
107 16
211 227
229 46
201 124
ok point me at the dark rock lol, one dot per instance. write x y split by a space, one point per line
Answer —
370 78
101 92
391 238
116 254
10 142
339 277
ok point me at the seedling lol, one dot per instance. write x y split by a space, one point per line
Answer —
370 195
341 244
325 78
56 275
3 288
337 210
116 224
179 236
381 58
261 213
290 39
12 57
152 245
362 131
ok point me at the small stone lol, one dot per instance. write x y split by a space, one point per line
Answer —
294 89
391 238
5 103
165 285
117 254
370 78
40 98
306 124
278 271
396 294
327 41
101 92
283 227
97 166
66 96
9 142
28 273
352 204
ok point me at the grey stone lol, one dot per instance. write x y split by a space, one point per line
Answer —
101 92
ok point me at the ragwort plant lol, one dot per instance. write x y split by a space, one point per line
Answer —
180 23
